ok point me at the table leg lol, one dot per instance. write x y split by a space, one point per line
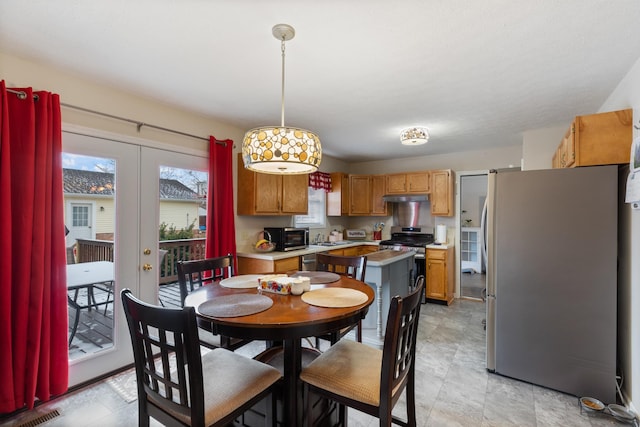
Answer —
291 370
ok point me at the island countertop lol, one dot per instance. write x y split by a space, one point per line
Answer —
273 256
386 256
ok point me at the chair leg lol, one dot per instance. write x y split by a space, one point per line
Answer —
342 415
411 400
308 405
271 412
75 322
109 294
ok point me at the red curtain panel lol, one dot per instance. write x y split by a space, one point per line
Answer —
221 230
33 294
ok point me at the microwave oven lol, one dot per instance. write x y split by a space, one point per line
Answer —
288 238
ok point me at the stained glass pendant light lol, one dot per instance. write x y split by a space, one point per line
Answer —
281 149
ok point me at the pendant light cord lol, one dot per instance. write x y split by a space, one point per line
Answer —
282 112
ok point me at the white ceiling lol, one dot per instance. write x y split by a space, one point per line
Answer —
476 73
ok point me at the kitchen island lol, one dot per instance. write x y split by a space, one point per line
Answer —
389 273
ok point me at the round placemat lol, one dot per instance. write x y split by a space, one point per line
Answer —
318 276
335 297
244 281
235 305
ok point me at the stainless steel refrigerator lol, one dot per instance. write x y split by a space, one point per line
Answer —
552 278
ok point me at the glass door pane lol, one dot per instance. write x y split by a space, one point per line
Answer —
175 185
101 193
89 201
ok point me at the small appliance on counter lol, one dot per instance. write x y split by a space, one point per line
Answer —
288 238
356 234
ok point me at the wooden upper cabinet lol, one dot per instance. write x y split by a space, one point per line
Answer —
359 194
407 183
378 188
338 198
365 193
596 139
268 194
397 183
418 182
442 192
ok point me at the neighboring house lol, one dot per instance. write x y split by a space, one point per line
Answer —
89 209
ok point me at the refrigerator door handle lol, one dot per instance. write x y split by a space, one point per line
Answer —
491 276
491 333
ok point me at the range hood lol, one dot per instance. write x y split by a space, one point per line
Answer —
400 198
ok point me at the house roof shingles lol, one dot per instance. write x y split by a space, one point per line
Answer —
103 183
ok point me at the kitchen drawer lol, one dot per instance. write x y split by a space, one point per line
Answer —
436 254
287 264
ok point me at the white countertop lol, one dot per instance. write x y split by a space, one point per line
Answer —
440 246
272 256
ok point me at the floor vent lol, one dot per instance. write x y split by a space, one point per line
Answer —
41 419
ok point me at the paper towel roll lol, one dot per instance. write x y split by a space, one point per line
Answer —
441 233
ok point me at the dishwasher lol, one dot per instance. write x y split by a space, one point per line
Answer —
308 262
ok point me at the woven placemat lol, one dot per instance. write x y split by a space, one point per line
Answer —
335 297
244 281
318 276
235 305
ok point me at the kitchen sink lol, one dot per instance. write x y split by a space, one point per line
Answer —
342 242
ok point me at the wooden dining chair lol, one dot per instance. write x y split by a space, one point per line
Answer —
194 274
350 266
179 386
369 379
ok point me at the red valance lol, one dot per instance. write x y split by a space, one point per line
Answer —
320 180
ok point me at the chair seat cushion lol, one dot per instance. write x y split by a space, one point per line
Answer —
349 369
231 380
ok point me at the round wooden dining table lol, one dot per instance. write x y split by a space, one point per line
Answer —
288 320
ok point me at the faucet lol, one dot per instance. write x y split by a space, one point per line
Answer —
318 236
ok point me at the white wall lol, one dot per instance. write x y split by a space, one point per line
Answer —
627 95
75 90
497 158
539 145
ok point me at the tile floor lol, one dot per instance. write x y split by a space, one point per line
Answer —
453 386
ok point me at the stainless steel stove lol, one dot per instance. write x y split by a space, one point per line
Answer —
413 239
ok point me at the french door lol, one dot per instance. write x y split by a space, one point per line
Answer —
129 218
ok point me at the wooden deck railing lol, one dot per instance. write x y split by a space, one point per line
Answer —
177 250
94 250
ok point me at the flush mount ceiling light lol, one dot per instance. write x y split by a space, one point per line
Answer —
281 149
414 136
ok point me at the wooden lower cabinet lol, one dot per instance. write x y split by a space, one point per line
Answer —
440 275
257 266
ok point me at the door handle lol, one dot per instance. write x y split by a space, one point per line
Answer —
147 267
